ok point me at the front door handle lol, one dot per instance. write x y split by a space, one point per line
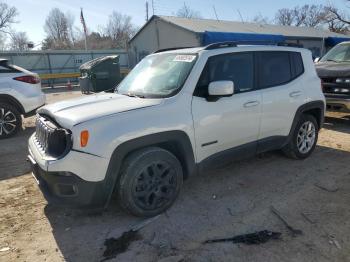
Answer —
251 104
295 94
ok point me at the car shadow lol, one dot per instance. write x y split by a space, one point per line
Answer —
80 235
13 154
337 123
62 89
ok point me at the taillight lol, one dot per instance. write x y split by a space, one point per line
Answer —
28 79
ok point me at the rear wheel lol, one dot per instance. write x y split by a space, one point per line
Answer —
304 138
150 181
10 120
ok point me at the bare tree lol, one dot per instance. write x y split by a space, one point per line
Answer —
306 15
120 29
314 15
186 12
7 17
59 29
19 41
284 16
338 21
260 19
338 26
96 40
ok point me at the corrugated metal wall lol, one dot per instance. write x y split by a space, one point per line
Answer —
62 61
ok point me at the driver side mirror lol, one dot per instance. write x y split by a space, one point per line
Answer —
219 89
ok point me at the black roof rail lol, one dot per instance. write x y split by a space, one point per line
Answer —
221 45
290 44
248 42
171 48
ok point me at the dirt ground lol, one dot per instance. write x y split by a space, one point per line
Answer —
311 195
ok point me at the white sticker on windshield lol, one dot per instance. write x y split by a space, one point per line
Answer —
184 58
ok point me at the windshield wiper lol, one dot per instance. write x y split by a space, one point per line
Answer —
134 95
332 60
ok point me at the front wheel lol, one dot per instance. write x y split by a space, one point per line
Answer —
304 138
10 120
150 181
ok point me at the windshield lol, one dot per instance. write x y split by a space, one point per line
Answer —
160 75
339 53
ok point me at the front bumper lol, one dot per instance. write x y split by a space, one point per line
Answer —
68 191
335 100
72 181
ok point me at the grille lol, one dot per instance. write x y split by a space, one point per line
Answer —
43 131
51 139
328 79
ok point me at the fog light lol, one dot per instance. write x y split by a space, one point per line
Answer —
66 190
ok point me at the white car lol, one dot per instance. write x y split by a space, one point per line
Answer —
20 94
176 113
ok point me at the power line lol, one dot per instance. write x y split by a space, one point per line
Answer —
240 15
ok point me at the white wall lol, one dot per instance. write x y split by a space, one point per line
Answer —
159 35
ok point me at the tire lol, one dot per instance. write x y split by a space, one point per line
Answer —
306 129
150 181
10 120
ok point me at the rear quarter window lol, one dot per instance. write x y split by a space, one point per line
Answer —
296 64
279 67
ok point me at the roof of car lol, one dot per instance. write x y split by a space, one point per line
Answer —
194 50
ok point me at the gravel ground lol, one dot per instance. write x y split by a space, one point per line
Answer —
311 195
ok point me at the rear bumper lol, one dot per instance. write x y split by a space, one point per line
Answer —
30 104
342 101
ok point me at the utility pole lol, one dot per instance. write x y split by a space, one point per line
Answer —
146 11
216 15
152 7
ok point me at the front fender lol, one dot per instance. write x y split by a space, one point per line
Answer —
184 151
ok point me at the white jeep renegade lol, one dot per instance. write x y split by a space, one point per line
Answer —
177 112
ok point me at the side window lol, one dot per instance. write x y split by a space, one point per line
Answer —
4 69
297 64
236 67
274 68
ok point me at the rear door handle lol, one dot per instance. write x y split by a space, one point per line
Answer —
251 104
295 94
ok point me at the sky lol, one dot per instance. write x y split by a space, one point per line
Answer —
32 13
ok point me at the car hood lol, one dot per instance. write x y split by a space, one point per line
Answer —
75 111
333 69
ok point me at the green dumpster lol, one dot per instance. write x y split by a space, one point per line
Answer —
100 74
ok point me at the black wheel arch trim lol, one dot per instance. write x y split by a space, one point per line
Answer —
166 140
318 104
12 101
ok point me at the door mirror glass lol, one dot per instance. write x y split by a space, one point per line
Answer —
221 88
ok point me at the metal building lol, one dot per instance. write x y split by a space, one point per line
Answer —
59 66
162 32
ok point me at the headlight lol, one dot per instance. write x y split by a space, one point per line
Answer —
343 80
